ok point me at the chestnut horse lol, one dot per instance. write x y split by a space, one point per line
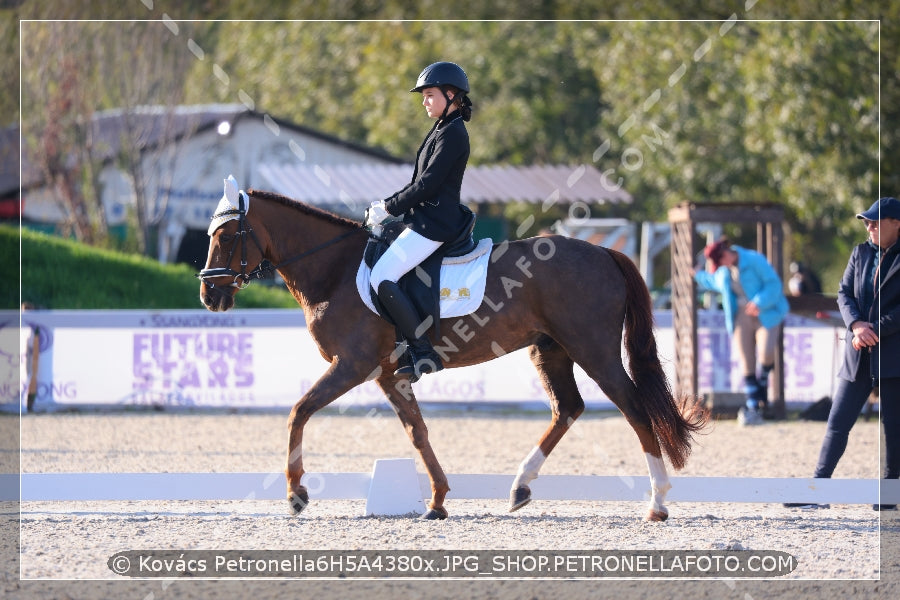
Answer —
565 300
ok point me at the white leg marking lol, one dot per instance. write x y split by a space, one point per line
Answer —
529 468
659 483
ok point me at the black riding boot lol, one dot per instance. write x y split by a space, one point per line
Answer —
423 356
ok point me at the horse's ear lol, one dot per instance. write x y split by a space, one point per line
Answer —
231 190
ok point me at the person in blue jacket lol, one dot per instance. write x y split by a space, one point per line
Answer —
869 301
430 206
755 307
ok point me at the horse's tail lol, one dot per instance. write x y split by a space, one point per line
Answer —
672 423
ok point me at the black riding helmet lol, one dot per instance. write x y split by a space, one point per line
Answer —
442 73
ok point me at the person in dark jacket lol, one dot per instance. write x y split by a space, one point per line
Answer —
869 301
429 205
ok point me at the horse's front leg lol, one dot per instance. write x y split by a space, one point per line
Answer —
400 394
337 380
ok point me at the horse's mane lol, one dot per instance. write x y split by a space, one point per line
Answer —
304 208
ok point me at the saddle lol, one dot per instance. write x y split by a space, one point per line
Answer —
421 284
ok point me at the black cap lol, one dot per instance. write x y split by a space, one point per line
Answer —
885 208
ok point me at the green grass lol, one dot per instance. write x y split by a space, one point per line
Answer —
63 274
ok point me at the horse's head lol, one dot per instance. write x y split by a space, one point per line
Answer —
230 251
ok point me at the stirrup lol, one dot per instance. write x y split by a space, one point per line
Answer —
405 368
413 365
430 363
407 371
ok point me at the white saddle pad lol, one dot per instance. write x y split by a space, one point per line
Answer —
462 281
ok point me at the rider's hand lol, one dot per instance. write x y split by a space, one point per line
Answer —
376 214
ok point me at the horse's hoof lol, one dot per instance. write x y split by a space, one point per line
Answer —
656 516
298 501
435 514
519 497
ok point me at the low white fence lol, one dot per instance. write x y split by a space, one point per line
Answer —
394 487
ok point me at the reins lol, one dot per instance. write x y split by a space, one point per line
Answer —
242 279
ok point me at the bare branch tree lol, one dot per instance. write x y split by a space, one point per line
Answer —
144 67
71 69
56 116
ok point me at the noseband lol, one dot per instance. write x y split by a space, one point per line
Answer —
242 279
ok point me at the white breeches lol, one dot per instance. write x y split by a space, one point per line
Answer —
408 251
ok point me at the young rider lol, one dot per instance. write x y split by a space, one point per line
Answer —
429 205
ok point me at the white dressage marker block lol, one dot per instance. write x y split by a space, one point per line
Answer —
394 489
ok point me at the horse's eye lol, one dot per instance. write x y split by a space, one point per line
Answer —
226 237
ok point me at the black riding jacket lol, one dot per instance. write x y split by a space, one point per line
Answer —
430 203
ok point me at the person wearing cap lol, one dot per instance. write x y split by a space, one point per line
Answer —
429 206
755 306
869 301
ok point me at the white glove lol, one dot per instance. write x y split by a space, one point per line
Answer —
376 214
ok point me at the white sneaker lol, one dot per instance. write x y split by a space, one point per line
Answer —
748 417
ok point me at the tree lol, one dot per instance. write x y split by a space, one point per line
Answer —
771 112
142 68
56 125
735 109
71 69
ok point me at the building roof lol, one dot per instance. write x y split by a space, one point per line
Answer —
326 184
338 184
153 126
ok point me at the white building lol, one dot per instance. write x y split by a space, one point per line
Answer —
186 152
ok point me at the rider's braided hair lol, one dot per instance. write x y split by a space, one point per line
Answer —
461 100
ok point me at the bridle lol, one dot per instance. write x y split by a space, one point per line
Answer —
242 279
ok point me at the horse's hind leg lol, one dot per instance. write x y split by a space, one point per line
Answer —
555 370
618 386
400 395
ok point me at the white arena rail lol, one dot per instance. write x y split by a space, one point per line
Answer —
394 483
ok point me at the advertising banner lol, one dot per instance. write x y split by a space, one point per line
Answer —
267 359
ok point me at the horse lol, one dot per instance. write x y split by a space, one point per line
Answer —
565 300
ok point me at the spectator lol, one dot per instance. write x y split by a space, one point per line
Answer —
755 307
869 300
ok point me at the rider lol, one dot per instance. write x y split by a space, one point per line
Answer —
429 204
